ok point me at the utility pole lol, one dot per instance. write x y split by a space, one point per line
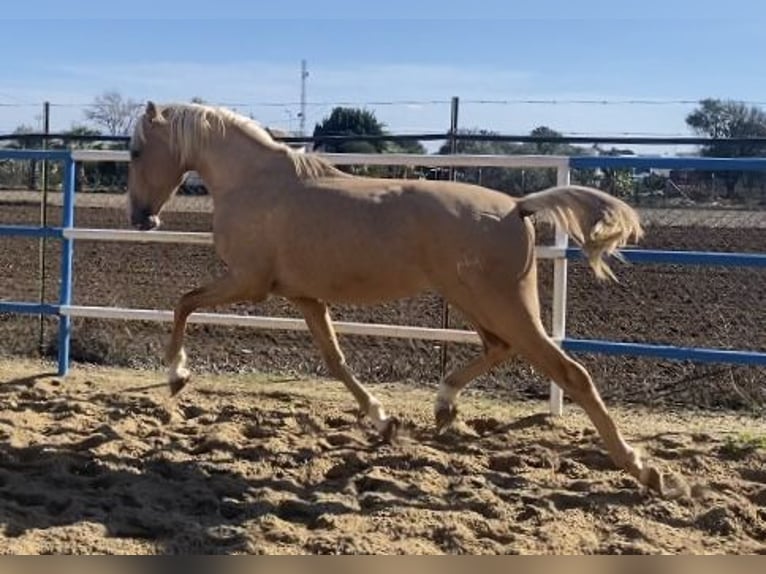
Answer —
453 140
43 223
302 114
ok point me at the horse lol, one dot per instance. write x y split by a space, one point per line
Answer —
293 225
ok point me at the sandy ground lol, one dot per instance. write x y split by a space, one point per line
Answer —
105 462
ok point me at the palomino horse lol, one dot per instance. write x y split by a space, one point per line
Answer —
291 224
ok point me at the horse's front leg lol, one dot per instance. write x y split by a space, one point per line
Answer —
220 291
318 320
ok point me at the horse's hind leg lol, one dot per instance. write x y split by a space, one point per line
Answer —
535 345
318 320
495 351
220 291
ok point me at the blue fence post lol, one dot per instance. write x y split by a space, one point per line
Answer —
67 256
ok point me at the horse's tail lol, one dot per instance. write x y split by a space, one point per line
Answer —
597 221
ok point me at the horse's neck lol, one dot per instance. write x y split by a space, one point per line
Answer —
233 161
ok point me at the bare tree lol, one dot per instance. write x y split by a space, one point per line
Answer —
113 112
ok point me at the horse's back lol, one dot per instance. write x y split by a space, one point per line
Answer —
365 239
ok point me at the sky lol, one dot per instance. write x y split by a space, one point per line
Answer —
582 68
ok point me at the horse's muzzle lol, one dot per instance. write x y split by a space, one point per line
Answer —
144 220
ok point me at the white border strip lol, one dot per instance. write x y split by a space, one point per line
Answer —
393 159
275 323
131 236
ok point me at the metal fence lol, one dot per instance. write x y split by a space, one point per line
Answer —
559 252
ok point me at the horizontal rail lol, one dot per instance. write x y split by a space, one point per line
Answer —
420 160
708 258
506 161
275 323
28 308
30 231
93 155
206 238
420 333
27 154
661 162
542 251
699 355
129 235
394 159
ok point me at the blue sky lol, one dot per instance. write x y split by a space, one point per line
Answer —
402 59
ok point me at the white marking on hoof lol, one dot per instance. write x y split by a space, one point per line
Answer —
378 416
446 394
178 374
444 414
445 410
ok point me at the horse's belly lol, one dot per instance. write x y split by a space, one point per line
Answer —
367 285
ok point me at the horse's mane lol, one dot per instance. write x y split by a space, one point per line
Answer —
192 124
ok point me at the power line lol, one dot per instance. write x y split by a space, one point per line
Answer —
415 102
590 102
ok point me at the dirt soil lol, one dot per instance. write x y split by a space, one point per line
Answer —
105 462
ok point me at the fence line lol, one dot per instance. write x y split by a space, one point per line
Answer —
560 252
440 136
397 159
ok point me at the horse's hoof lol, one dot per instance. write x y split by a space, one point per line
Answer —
176 385
653 480
391 430
445 415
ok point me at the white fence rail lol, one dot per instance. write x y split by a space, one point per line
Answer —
393 159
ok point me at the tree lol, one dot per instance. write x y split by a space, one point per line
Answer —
350 121
617 181
102 174
113 113
729 119
549 148
513 181
359 122
14 173
405 146
501 179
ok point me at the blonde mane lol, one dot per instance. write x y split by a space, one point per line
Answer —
191 126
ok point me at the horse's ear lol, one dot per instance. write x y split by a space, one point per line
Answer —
153 114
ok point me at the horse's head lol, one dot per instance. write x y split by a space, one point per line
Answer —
155 168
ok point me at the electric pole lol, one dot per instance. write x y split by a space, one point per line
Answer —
302 114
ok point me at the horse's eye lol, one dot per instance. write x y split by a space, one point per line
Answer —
134 154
